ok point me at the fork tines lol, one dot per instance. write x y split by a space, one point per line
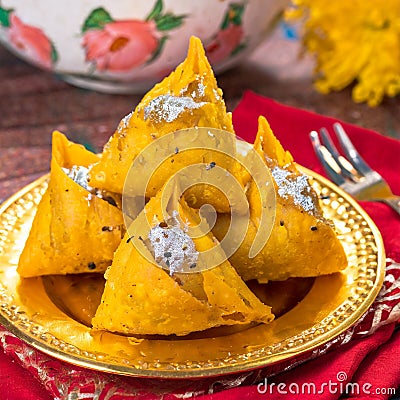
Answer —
351 172
339 168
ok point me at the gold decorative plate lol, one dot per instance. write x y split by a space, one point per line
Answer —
52 313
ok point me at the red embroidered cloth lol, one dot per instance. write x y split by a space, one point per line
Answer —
363 362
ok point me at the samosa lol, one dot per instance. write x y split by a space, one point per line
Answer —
188 98
302 242
74 229
159 283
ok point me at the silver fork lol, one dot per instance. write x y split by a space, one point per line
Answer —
351 173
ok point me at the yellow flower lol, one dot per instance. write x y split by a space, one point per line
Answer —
353 41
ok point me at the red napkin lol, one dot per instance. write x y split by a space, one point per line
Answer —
363 362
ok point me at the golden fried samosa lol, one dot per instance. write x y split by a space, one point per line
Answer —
74 230
150 291
189 97
302 242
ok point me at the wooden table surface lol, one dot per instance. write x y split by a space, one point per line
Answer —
33 103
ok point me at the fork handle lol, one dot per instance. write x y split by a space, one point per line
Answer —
392 201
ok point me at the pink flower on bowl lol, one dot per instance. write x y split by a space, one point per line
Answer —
227 41
123 45
224 43
29 40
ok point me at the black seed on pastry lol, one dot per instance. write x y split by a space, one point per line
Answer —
92 266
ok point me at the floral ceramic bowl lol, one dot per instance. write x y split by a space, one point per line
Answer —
123 46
